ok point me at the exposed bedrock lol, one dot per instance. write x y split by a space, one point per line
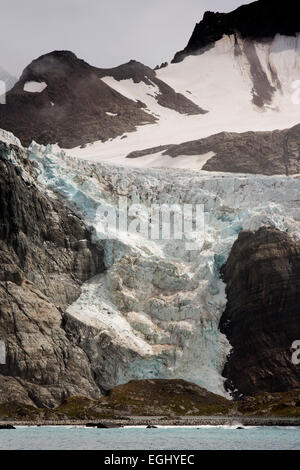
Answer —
262 318
46 253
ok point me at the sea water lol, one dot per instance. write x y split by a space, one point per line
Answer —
163 438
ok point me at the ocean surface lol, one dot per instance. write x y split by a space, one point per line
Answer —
164 438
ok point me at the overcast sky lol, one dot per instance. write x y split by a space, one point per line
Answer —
105 33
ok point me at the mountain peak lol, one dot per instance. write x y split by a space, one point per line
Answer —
53 63
57 56
259 20
60 54
58 88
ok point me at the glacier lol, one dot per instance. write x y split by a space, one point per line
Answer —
155 311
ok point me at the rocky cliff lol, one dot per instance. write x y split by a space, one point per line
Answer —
262 319
46 253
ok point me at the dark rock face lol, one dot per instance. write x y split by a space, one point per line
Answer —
262 318
72 109
259 20
267 153
48 244
46 253
167 97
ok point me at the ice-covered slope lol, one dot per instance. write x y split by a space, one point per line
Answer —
226 77
245 86
155 312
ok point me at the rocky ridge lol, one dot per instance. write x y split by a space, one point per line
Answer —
46 253
165 95
266 153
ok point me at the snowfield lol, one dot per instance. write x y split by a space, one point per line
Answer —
158 304
220 81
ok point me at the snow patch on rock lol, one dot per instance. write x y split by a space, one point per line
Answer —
35 87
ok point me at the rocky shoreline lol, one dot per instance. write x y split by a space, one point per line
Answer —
163 421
